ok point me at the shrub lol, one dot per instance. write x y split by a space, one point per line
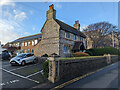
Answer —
89 52
46 68
45 55
105 50
80 54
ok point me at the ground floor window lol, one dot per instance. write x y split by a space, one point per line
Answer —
25 51
32 51
28 50
22 51
67 48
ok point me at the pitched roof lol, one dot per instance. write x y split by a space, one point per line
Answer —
68 28
28 38
77 45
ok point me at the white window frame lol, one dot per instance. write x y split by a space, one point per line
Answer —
28 50
36 41
25 43
22 43
29 43
32 43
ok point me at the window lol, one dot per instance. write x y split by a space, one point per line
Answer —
22 51
74 37
32 51
28 55
22 43
67 48
25 51
67 35
28 43
32 43
36 41
25 43
28 50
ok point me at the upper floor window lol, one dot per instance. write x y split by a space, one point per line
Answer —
74 37
36 41
22 43
28 43
25 43
67 35
32 43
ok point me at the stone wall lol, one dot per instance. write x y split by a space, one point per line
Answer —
74 68
50 39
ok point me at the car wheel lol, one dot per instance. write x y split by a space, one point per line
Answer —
23 63
34 61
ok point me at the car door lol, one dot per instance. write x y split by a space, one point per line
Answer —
28 58
32 57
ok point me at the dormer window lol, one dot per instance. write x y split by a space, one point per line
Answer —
67 35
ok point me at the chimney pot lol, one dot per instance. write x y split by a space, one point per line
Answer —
51 7
76 22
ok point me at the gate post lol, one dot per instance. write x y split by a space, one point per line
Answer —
53 67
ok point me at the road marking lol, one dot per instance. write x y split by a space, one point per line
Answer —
19 75
22 67
5 65
34 73
9 82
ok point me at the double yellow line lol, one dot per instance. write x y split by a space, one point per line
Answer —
71 81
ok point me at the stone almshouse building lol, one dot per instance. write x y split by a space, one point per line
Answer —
58 37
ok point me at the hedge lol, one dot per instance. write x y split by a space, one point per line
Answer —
46 68
102 51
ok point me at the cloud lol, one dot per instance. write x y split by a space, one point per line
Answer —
7 2
31 12
33 28
7 32
19 15
58 5
83 27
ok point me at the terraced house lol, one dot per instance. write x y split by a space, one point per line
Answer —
59 37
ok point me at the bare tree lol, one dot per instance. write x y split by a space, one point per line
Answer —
99 32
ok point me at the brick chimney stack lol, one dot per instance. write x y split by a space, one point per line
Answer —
77 25
51 13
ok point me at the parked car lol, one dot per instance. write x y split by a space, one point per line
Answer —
23 59
5 56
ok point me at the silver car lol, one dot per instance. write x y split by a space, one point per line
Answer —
23 58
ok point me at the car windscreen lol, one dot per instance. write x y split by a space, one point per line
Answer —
21 55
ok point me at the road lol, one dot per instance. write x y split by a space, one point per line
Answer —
104 78
27 76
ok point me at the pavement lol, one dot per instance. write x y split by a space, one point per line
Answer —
27 76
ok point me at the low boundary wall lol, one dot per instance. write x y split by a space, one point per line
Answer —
65 69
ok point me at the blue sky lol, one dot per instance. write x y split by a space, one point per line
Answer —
27 18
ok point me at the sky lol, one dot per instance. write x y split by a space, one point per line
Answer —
27 18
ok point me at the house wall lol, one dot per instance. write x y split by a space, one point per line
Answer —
66 41
50 39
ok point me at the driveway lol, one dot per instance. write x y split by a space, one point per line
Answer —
27 76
